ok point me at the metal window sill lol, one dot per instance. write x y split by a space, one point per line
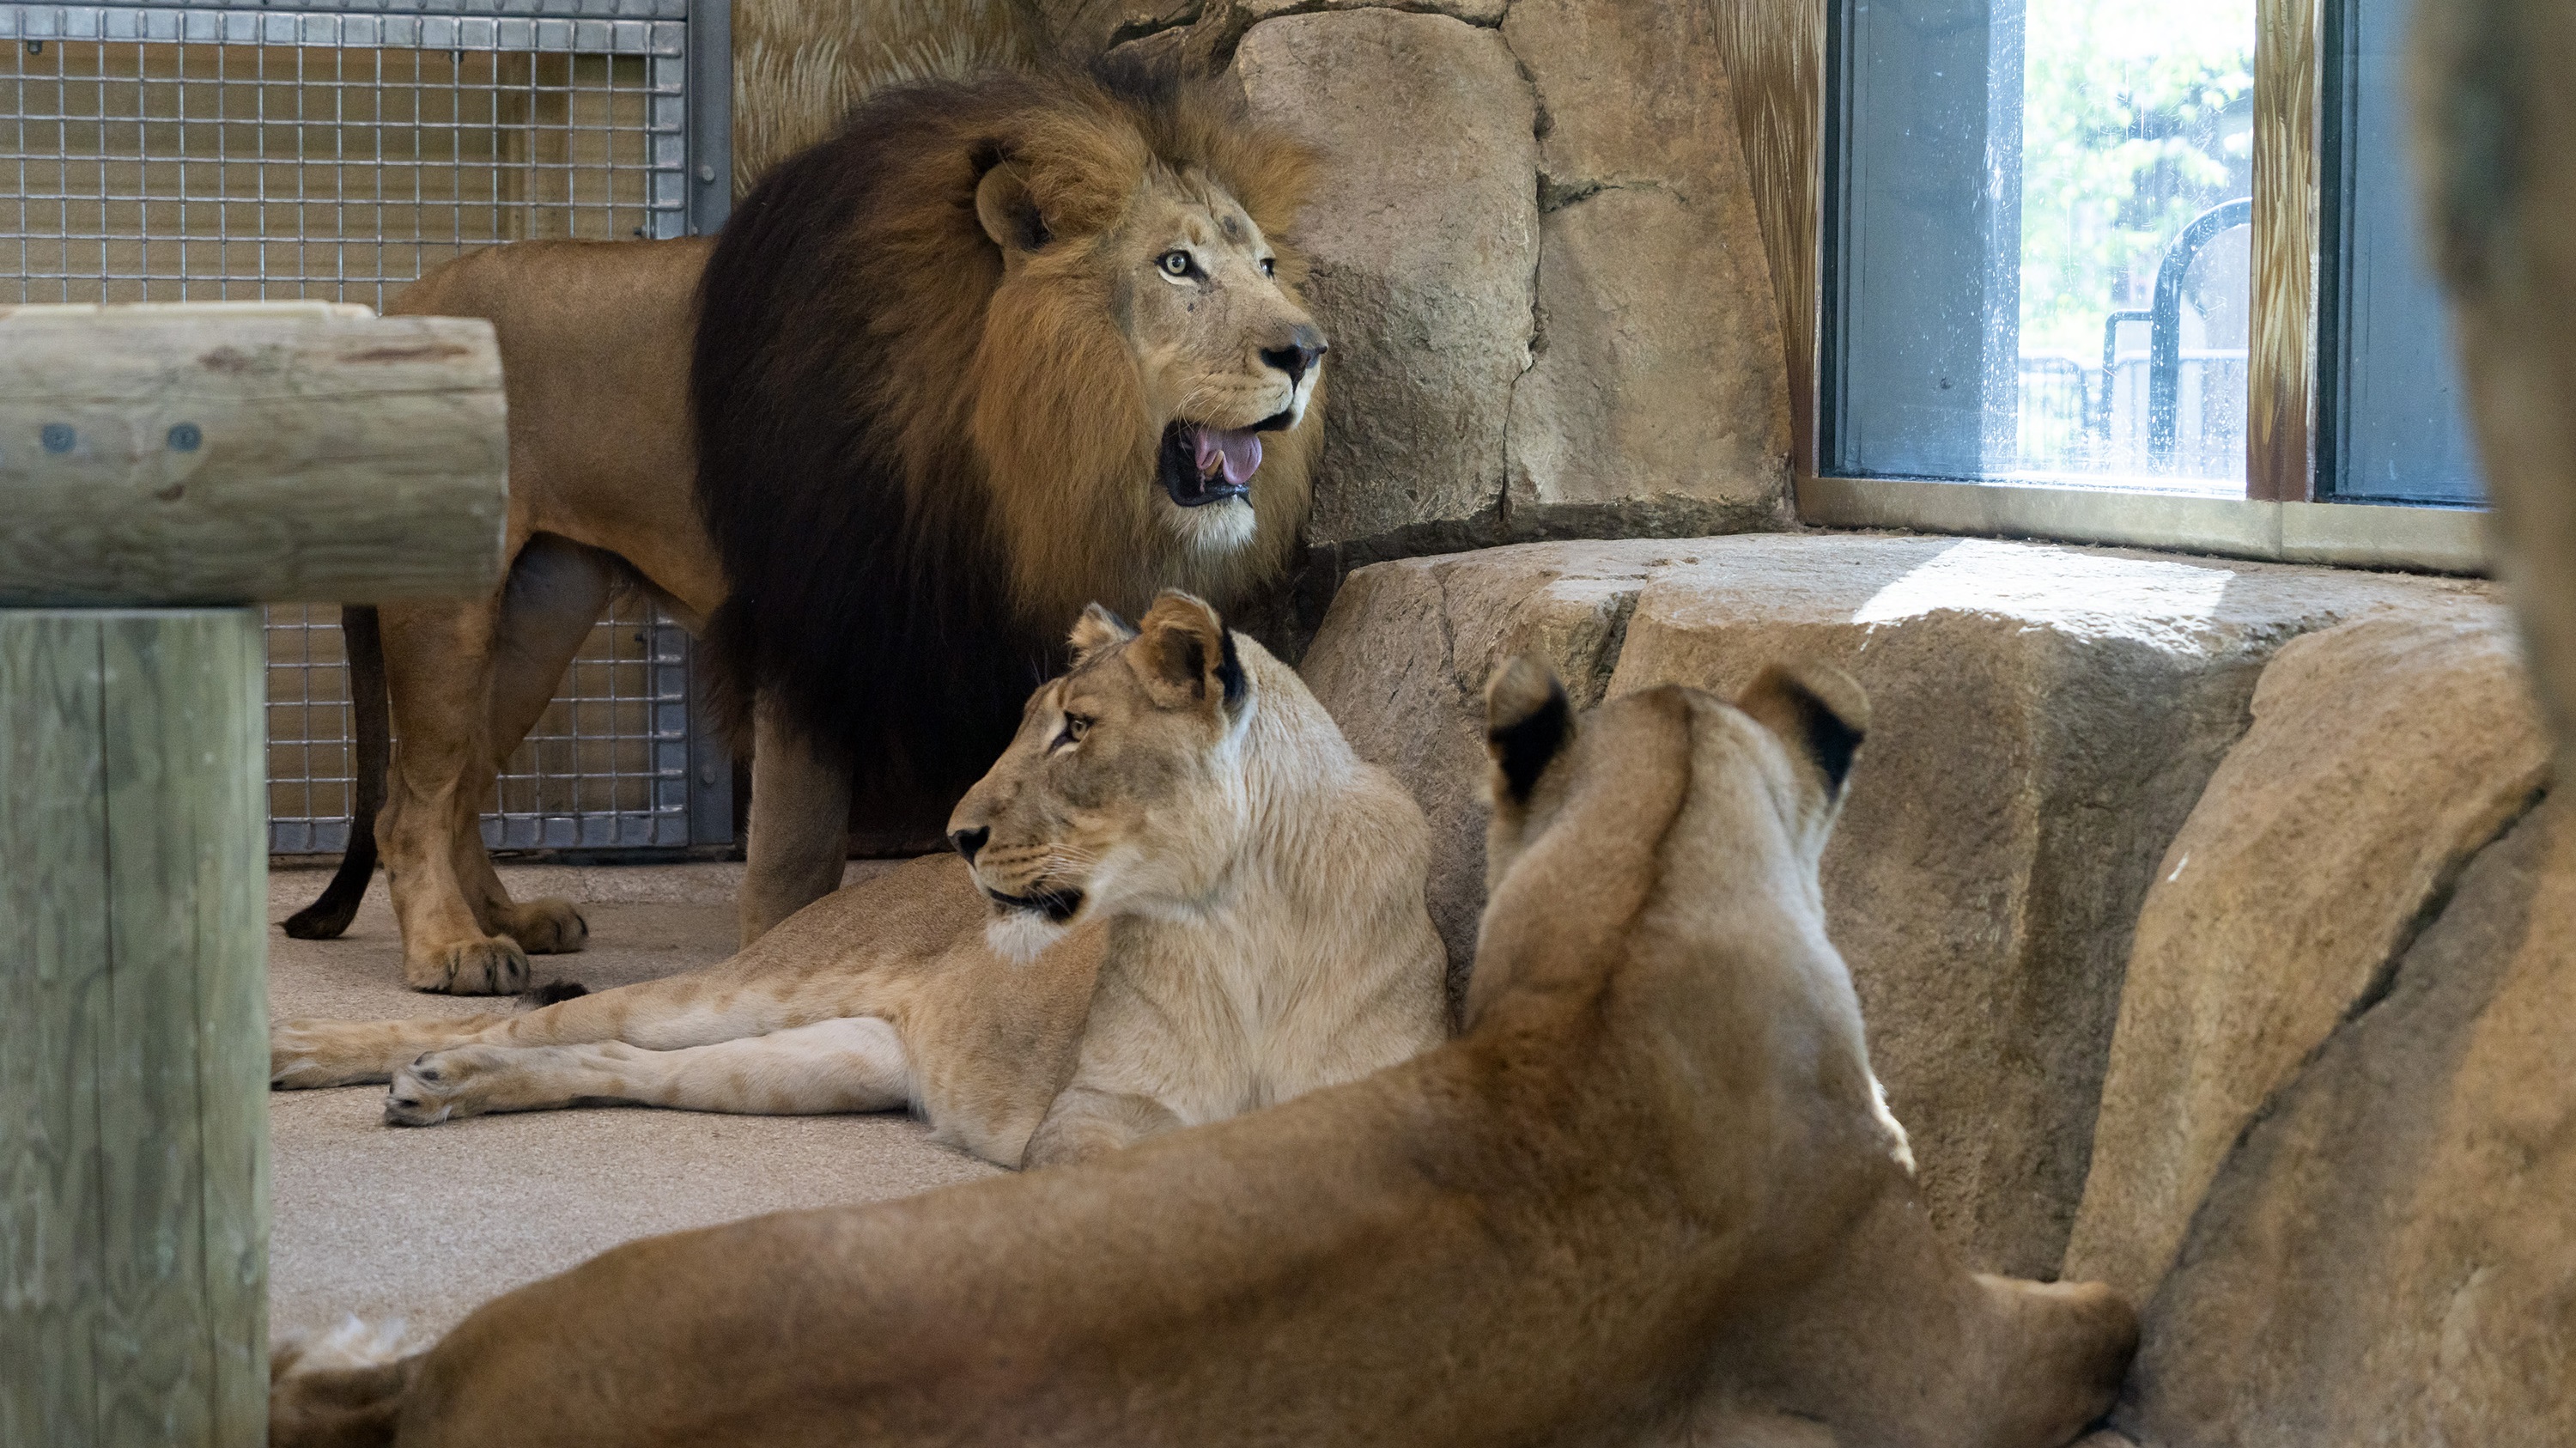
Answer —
2346 535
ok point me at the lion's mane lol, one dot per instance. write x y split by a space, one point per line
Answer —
916 477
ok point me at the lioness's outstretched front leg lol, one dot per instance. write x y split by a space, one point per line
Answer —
853 1064
666 1014
304 1054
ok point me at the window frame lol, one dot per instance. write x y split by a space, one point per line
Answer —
1779 53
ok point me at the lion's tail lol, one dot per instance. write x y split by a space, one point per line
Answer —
325 918
341 1389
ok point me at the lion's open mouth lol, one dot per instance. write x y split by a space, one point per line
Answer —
1058 906
1200 464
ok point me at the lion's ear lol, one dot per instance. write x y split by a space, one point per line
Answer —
1009 213
1098 629
1528 719
1817 710
1186 654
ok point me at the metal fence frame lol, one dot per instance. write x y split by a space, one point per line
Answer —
635 673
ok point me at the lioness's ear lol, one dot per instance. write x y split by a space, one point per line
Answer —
1527 723
1098 629
1186 653
1817 710
1007 210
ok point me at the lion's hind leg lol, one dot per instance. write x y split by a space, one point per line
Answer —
855 1063
556 592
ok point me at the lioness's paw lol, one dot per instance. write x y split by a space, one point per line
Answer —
303 1054
440 1086
546 927
482 967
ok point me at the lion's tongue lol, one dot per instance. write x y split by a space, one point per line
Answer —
1238 453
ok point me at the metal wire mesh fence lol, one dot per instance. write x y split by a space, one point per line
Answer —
231 150
609 765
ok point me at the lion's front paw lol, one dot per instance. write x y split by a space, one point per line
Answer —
441 1085
546 927
303 1054
491 966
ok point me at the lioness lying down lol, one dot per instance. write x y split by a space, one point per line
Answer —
1176 817
1651 1197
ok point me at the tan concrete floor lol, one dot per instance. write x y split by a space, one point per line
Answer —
424 1224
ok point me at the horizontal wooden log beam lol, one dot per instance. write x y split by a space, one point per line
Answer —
218 455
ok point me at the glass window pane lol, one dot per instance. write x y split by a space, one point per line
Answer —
2039 241
2396 431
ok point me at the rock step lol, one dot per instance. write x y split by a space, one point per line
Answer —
2047 718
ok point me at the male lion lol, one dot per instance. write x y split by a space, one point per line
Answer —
996 349
1650 1197
1247 891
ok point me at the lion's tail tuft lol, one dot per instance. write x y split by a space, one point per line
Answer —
363 641
553 992
338 1389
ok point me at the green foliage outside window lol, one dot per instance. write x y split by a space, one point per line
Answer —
2137 116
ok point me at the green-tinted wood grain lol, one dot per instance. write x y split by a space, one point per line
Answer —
53 993
186 887
165 1043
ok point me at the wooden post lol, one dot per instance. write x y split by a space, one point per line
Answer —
2281 331
133 1028
133 856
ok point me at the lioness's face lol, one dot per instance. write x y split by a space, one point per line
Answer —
1226 352
1123 788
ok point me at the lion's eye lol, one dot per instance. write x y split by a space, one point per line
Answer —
1269 267
1075 726
1176 263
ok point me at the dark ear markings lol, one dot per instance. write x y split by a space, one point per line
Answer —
1527 721
1819 711
1184 657
1229 668
1183 633
1830 741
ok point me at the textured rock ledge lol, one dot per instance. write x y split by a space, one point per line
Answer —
2046 720
2389 1255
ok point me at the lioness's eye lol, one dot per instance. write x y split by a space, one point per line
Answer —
1176 263
1269 267
1075 726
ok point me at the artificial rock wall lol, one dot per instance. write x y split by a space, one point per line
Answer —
2214 927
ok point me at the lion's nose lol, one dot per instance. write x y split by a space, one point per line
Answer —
967 842
1304 346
